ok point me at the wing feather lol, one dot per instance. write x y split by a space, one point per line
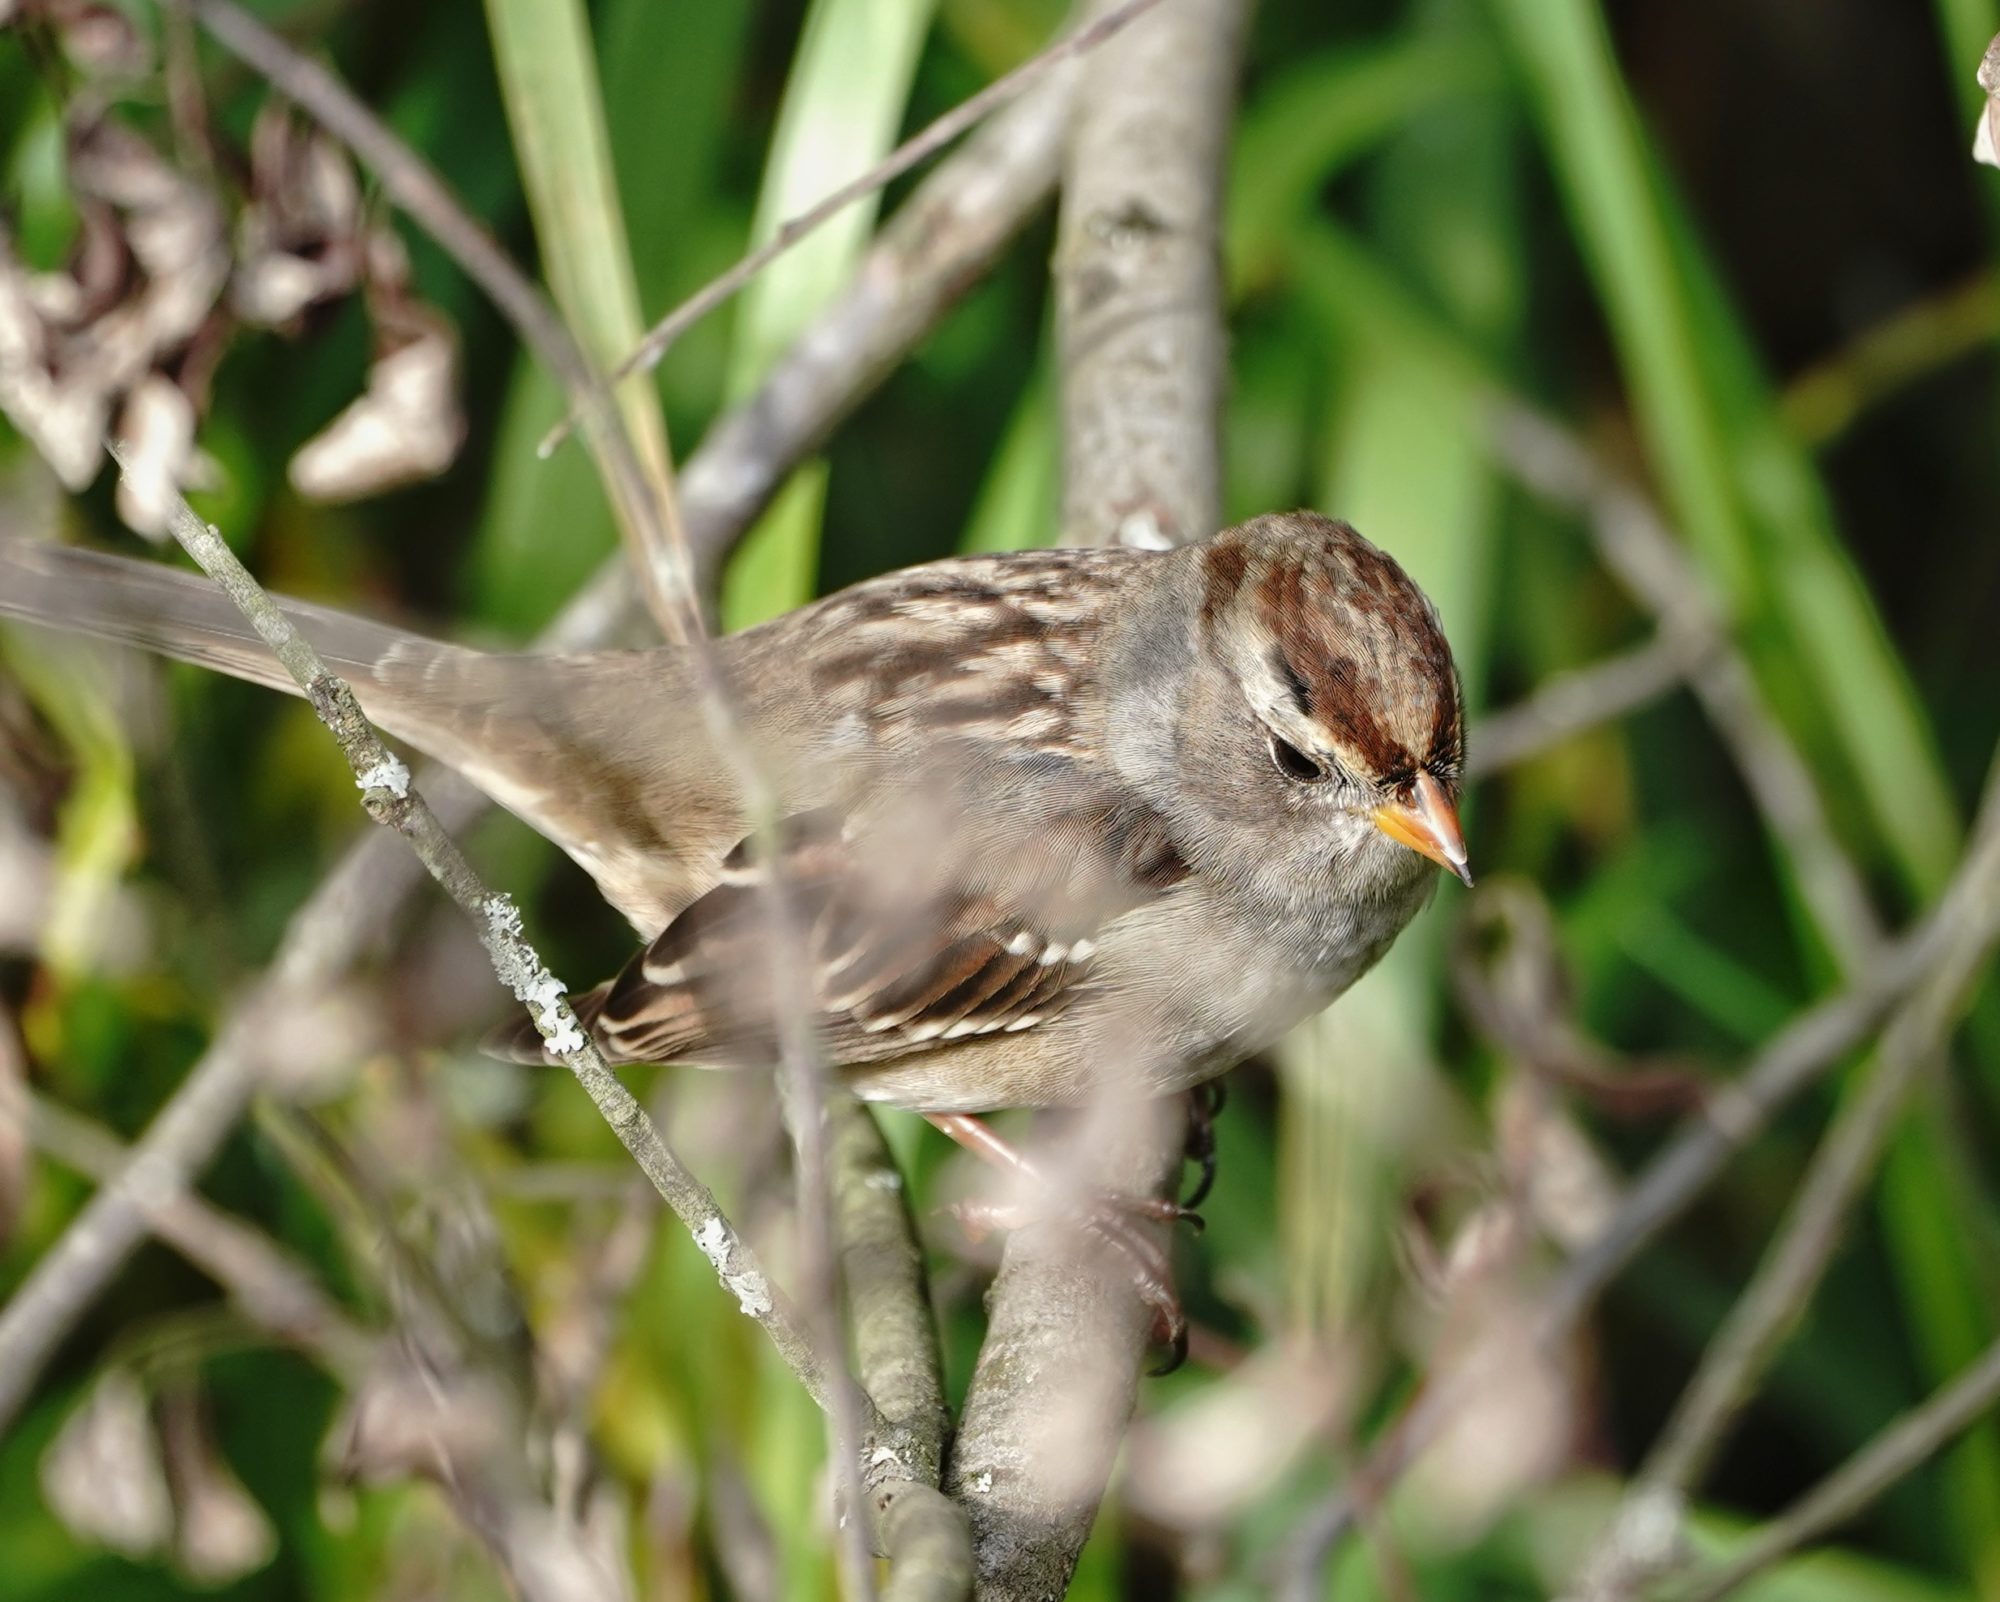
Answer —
888 978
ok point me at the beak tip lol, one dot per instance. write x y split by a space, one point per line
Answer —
1427 825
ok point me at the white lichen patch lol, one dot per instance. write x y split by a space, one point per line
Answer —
752 1294
522 972
389 774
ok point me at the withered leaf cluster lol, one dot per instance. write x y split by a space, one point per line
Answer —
174 254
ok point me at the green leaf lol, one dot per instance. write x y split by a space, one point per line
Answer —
548 80
844 101
1743 494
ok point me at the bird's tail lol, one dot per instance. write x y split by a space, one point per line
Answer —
591 751
186 616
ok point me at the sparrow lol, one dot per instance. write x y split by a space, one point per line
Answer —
1052 823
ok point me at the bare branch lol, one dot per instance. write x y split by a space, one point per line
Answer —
940 241
650 520
1140 328
1918 1434
546 1556
1741 1351
1638 547
1794 1060
918 148
1642 552
274 1291
1910 344
346 915
1566 705
186 1133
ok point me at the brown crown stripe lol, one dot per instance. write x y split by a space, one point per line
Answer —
1226 564
1342 694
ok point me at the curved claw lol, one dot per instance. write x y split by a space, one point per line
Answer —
1172 1333
1204 1104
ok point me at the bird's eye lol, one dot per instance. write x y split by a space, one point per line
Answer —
1294 764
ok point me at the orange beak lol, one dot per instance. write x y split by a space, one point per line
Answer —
1428 825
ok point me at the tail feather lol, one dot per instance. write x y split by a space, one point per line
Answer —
593 753
185 616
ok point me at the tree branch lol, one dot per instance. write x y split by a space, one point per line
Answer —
1922 1431
544 1554
922 1532
1641 551
1584 698
939 242
1771 1304
274 1291
1138 282
918 148
1791 1062
394 801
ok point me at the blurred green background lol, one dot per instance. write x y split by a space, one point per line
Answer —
1739 245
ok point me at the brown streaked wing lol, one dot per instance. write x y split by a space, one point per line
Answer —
885 985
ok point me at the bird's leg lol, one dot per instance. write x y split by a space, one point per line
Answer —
979 1139
1109 1216
1204 1105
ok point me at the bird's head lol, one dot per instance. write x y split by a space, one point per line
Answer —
1318 727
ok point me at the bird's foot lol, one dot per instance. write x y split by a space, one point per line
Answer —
1113 1217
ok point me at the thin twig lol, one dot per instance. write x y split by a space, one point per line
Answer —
651 521
273 1290
615 1258
1908 345
918 148
1637 545
1566 705
932 250
1642 552
1740 1352
644 501
1795 1059
543 1554
938 243
1924 1430
345 916
392 800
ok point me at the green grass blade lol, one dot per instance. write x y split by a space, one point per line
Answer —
549 84
1758 521
1405 463
844 101
1016 506
1745 500
667 183
1318 116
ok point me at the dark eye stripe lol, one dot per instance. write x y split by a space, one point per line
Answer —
1281 664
